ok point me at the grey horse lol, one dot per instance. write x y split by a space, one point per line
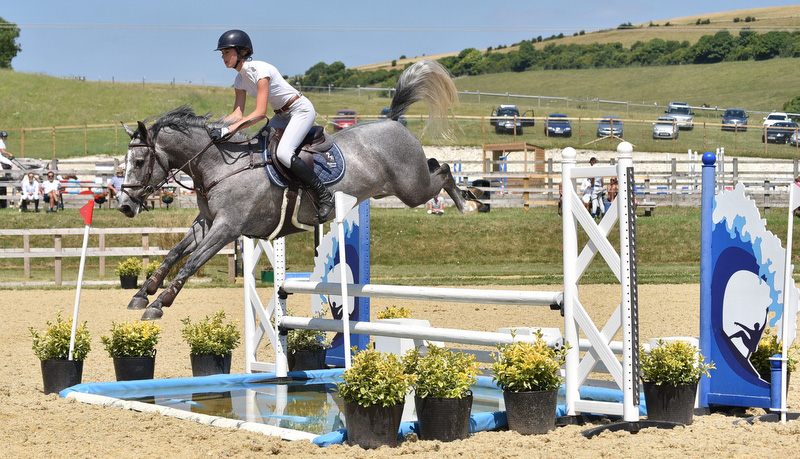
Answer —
383 158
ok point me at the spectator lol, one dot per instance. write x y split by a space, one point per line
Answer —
115 184
5 156
51 189
31 191
436 206
592 189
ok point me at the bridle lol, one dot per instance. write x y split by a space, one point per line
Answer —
147 190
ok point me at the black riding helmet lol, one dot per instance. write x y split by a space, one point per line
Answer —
238 40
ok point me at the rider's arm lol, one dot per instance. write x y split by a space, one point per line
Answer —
262 102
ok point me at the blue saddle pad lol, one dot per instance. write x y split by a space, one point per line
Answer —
329 167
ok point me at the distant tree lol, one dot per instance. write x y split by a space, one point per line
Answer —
792 106
737 19
8 43
394 62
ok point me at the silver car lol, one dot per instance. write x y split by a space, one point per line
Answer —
682 113
666 127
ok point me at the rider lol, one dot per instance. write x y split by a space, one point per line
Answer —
293 112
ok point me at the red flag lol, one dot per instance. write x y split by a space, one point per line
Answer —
86 211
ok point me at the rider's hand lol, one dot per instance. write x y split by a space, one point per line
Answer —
218 133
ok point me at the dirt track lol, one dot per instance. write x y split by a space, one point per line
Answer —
38 425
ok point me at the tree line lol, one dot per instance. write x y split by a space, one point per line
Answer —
719 47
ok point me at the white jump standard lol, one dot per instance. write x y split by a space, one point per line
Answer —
601 348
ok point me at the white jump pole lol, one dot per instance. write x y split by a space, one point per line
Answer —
570 254
344 204
86 211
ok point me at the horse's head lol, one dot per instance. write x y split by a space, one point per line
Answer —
145 171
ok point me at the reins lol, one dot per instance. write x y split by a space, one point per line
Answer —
170 174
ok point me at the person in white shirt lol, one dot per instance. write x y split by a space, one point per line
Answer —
592 189
51 188
436 206
31 191
5 156
294 113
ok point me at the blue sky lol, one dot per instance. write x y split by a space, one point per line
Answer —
159 41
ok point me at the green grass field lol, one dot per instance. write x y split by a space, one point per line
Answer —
410 247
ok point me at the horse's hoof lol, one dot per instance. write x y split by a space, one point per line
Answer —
138 302
152 314
472 207
476 193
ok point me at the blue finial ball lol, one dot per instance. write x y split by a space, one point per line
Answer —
709 158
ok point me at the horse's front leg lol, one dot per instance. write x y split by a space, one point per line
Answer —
214 241
188 244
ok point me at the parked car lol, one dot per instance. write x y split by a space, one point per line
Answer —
776 117
385 114
609 125
734 119
682 113
779 132
557 125
344 119
665 127
506 119
794 139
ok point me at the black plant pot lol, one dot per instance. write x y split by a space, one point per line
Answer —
128 282
443 418
670 403
210 364
166 199
531 412
134 368
373 426
57 375
307 360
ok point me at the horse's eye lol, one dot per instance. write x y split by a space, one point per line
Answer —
139 163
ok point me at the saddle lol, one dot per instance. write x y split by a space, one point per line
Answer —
320 152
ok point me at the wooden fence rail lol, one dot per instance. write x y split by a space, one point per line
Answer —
58 252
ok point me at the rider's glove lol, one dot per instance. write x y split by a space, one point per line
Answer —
218 133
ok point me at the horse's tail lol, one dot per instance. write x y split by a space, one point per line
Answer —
426 80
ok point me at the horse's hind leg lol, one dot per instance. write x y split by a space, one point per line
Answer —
465 201
184 247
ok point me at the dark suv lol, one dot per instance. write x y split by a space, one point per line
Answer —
506 119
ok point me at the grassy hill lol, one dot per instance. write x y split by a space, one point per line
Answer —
680 29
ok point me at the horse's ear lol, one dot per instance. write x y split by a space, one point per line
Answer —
127 129
142 132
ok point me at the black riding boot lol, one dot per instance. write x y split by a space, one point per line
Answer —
309 178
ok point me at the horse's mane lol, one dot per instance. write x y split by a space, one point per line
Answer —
182 119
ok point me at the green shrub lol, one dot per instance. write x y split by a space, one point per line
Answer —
307 340
675 363
768 346
522 366
130 267
132 339
441 372
151 268
53 343
395 313
211 335
375 378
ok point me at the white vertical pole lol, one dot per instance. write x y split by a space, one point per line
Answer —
570 257
249 315
78 292
344 203
630 411
788 284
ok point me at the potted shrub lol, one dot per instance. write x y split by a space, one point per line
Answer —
128 272
307 349
132 346
394 312
768 346
528 374
51 346
670 372
374 390
443 398
211 342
